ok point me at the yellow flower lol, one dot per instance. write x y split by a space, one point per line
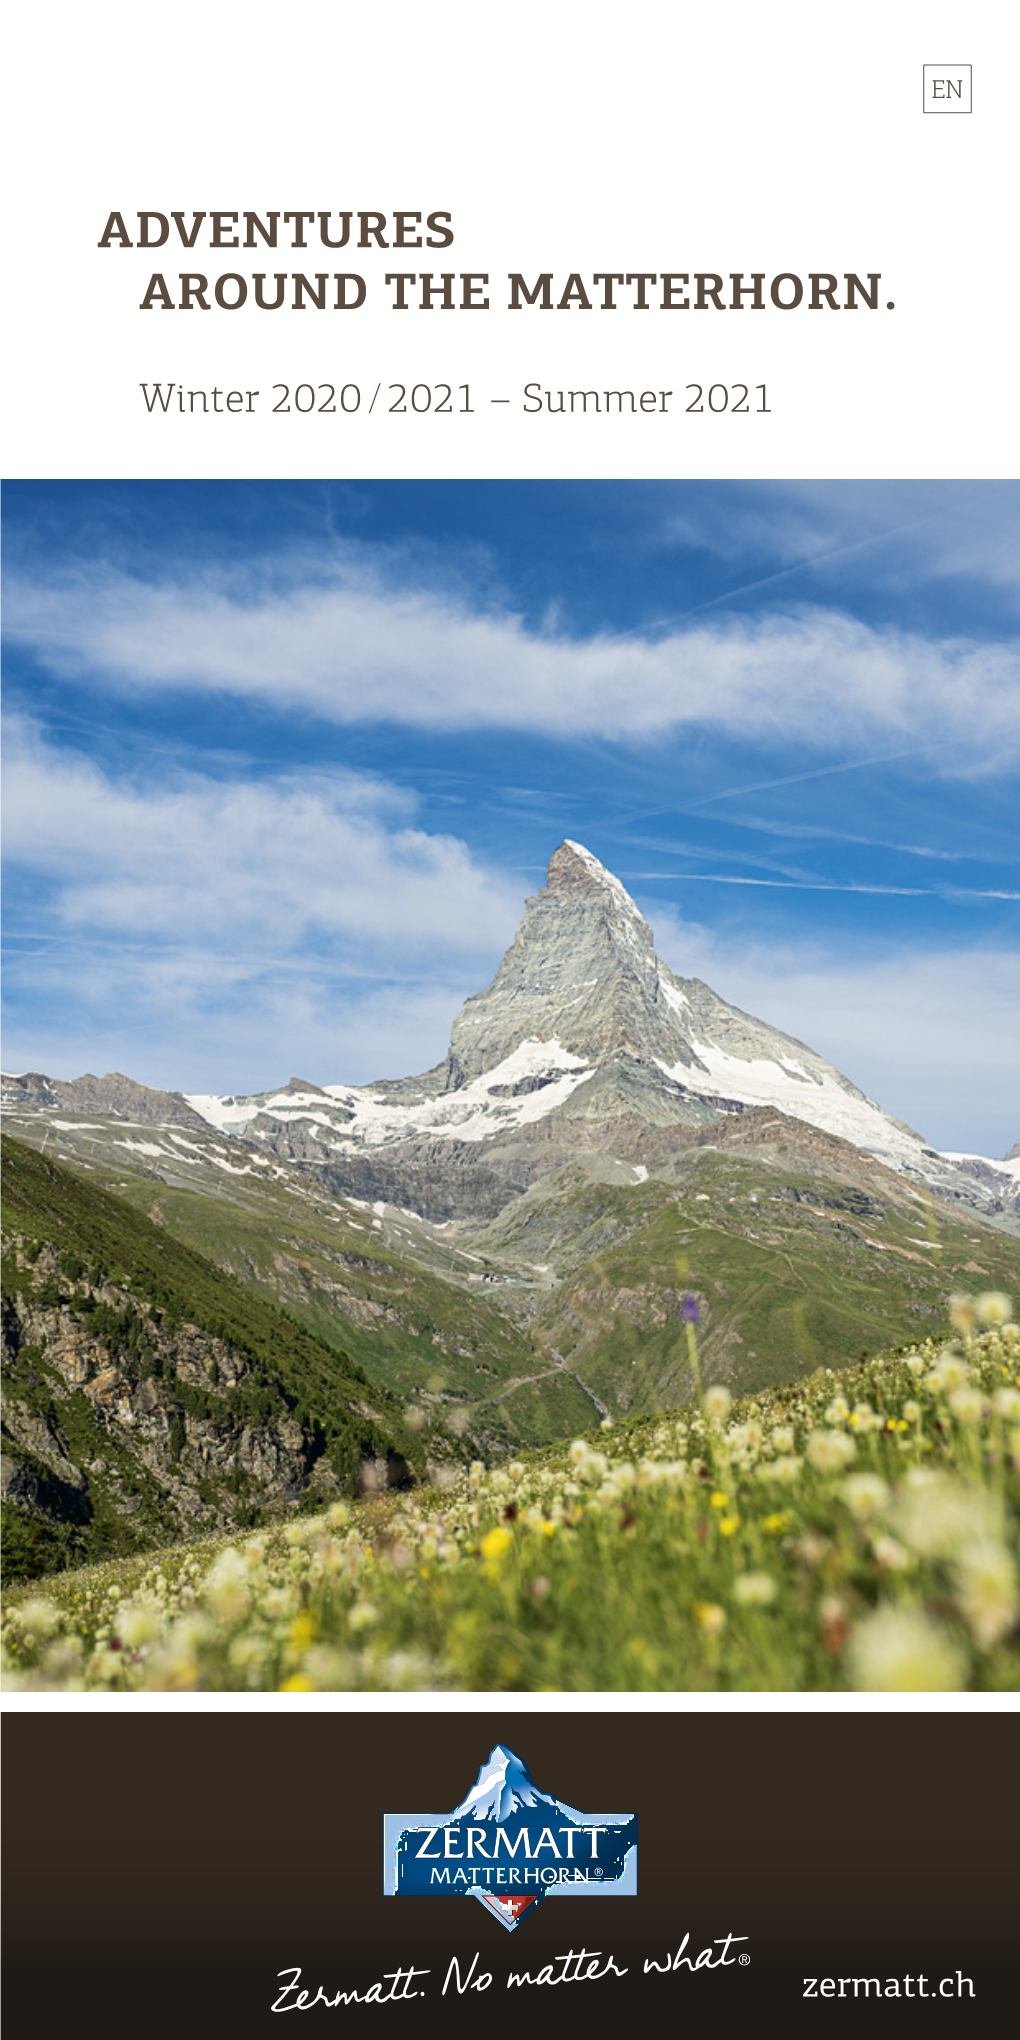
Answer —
728 1524
775 1523
302 1632
710 1616
297 1684
719 1501
495 1544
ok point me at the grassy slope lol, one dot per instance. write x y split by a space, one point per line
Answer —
791 1271
859 1530
416 1333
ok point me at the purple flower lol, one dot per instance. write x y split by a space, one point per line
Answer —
689 1309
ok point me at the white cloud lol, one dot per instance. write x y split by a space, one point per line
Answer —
268 864
353 649
204 934
913 531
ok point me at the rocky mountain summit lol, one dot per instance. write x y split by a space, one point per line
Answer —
584 1041
584 1044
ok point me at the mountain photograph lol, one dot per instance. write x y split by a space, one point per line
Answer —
624 1295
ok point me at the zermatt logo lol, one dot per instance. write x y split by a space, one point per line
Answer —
511 1846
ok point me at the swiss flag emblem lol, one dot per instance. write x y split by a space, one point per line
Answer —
511 1910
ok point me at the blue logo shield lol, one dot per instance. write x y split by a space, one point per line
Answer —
511 1846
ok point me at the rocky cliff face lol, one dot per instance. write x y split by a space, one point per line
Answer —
117 1422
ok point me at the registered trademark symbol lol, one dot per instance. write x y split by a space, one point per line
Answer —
744 1959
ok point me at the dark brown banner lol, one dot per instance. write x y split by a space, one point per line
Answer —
170 1875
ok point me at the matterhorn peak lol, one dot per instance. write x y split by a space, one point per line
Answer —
581 971
573 869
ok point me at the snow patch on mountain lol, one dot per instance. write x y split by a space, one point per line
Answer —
472 1112
817 1097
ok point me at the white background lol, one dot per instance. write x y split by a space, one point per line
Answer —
786 137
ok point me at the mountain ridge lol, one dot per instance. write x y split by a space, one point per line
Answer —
583 1038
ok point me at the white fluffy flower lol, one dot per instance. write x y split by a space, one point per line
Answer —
830 1451
986 1591
899 1650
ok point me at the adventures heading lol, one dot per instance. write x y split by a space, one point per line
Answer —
269 289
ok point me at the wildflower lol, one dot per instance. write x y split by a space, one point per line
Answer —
949 1372
493 1548
728 1525
782 1438
297 1683
912 1412
104 1666
993 1308
967 1404
986 1591
62 1662
865 1495
744 1438
362 1615
719 1500
718 1404
1006 1403
812 1549
279 1603
835 1624
247 1651
829 1451
785 1470
776 1523
900 1650
39 1618
227 1587
889 1555
961 1312
689 1310
711 1617
838 1410
754 1589
137 1624
302 1632
936 1515
864 1418
408 1671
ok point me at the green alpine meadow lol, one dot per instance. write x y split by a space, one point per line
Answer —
858 1531
630 1347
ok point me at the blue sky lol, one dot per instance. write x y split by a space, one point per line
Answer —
284 760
